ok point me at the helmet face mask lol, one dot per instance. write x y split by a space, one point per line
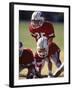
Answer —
36 23
43 53
37 20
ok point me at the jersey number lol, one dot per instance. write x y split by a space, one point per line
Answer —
38 35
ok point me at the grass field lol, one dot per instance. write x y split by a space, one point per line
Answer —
29 42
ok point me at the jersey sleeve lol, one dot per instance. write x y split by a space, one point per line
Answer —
32 32
31 29
50 30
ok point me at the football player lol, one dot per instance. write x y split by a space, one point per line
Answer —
39 28
41 55
26 59
45 54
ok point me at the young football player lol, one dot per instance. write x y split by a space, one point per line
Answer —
26 59
41 55
39 28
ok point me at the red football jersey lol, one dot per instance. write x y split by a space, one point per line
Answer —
26 57
45 30
37 58
39 62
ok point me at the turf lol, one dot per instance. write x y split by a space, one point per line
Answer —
59 32
25 37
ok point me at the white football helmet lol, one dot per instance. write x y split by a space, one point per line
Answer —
37 19
42 47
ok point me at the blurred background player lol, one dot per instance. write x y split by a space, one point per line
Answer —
40 27
26 59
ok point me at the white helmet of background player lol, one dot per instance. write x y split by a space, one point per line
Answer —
37 19
42 47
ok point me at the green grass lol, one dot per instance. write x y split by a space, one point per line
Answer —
29 41
59 32
25 37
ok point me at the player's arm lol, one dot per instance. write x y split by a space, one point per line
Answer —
50 30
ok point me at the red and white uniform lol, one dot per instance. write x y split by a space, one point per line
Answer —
39 62
45 30
54 52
